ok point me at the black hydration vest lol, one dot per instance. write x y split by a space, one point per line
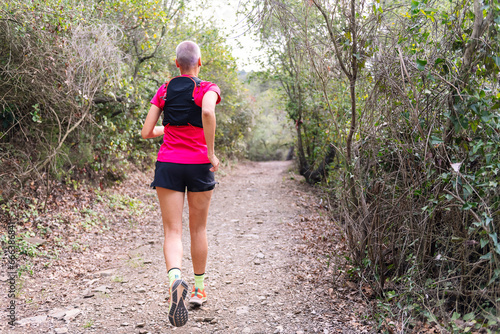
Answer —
179 108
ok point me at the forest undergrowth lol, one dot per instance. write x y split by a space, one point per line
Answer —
396 112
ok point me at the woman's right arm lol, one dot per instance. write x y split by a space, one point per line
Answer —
209 124
149 129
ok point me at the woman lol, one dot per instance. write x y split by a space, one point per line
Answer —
186 160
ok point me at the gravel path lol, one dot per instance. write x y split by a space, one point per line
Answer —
258 281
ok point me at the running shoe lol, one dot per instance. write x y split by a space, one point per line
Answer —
198 297
177 311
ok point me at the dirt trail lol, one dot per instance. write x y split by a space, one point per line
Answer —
257 280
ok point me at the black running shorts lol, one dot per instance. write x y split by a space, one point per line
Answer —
178 177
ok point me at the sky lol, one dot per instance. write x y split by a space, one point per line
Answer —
223 13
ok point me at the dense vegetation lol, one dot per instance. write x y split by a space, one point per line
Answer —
270 136
401 101
395 108
76 78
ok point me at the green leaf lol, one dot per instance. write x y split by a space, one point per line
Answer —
486 256
421 64
467 190
496 60
438 61
494 237
495 276
484 242
486 116
455 316
467 206
469 316
436 140
475 107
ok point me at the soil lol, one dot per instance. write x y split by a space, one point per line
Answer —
271 265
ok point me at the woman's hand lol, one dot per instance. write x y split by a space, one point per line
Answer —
215 163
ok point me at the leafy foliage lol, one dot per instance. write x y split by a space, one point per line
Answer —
77 78
408 94
270 137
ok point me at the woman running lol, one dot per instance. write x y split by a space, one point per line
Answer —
186 161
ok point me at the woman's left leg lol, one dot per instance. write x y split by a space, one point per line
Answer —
171 205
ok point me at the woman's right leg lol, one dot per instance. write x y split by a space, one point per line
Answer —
199 203
171 205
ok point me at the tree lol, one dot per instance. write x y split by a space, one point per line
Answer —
77 79
418 138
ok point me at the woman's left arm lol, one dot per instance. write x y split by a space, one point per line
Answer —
149 129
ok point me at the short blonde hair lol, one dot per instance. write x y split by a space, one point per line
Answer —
187 54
